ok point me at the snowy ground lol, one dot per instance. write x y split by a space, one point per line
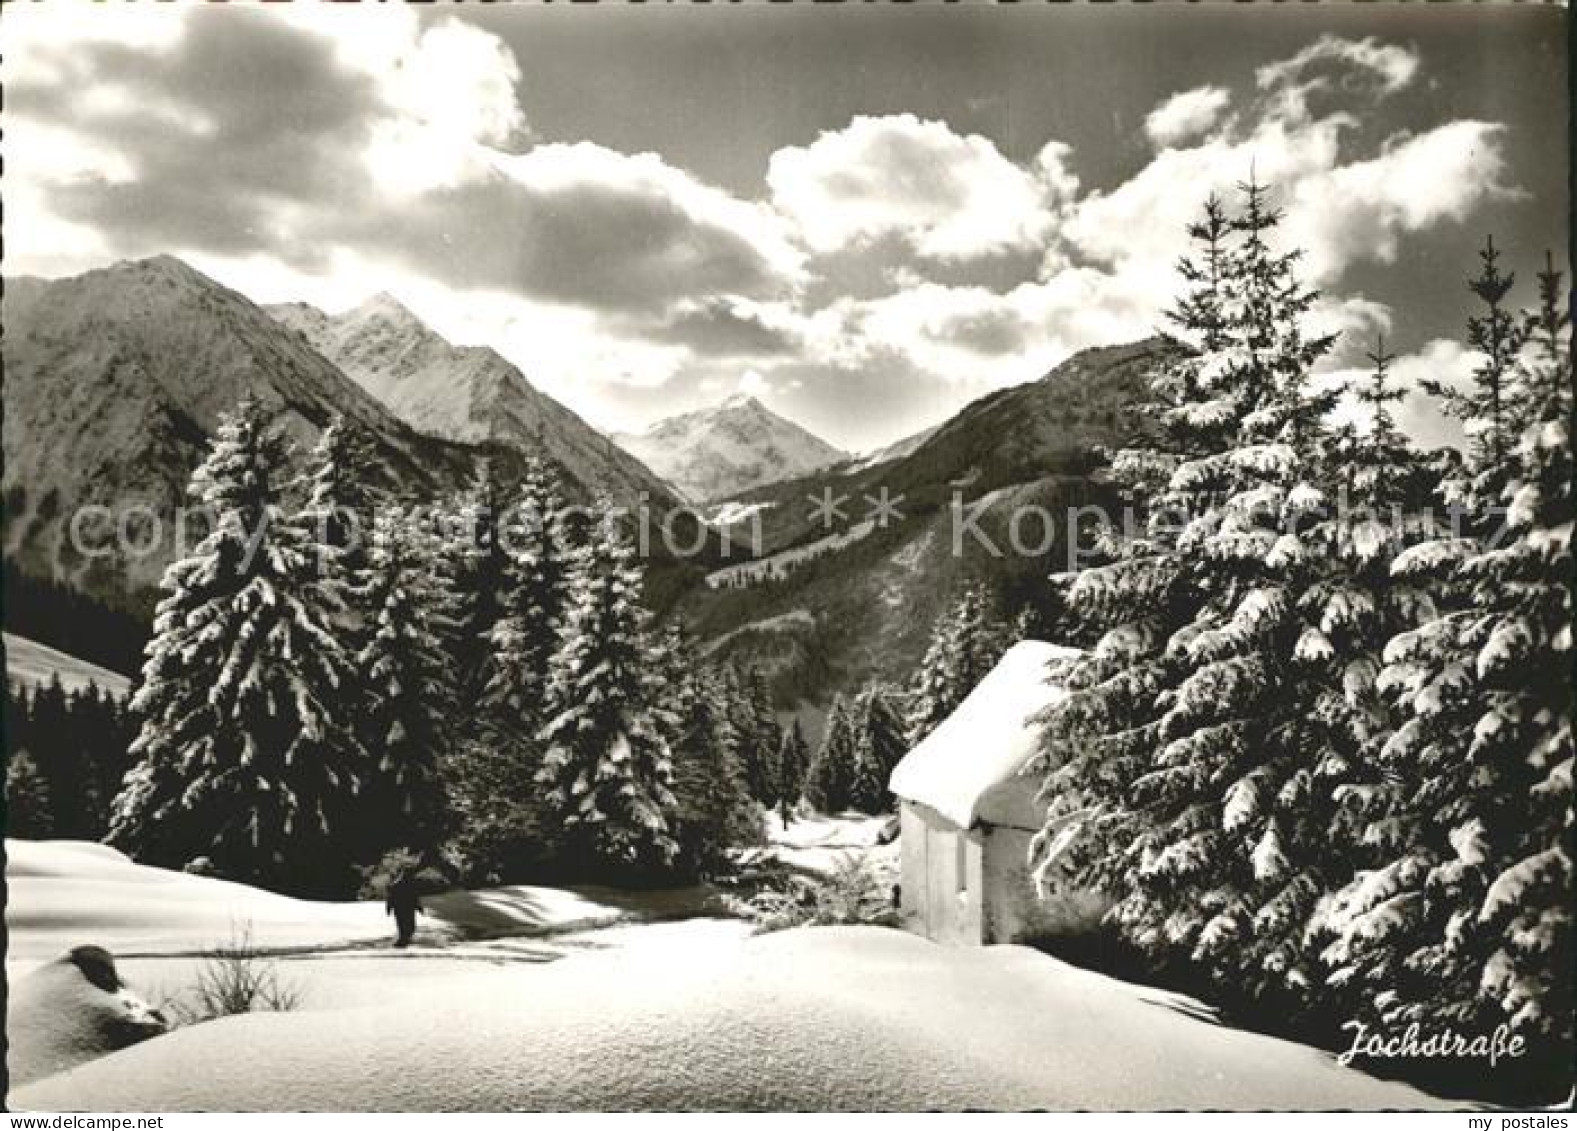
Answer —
66 893
615 1000
815 843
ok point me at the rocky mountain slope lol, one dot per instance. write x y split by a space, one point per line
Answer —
469 394
738 445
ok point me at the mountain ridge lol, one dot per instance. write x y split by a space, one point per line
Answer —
737 444
115 382
872 592
468 394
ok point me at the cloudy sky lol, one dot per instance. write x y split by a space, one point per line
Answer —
867 216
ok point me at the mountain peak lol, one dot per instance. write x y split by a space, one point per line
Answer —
164 262
163 266
385 306
713 453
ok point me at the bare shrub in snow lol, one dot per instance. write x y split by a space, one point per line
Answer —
236 977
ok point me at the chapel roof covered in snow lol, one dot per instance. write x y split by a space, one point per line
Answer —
987 740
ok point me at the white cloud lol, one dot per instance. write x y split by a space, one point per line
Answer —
1109 269
752 383
949 196
1341 207
42 40
1362 209
1332 65
1186 115
975 336
448 89
324 139
1418 415
1357 321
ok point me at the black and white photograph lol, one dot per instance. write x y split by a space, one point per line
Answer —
786 556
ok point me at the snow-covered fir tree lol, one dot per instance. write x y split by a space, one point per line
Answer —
500 621
341 504
793 765
831 772
473 566
606 768
757 735
338 518
1488 409
713 810
966 641
1099 740
1178 758
738 717
1466 920
526 635
879 744
244 755
1324 784
409 708
27 799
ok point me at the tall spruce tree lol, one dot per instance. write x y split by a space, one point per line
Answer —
793 765
1488 409
966 641
28 808
409 690
606 768
713 810
758 722
337 520
526 635
1171 757
1099 740
1466 921
472 563
878 746
341 504
1321 790
243 755
831 772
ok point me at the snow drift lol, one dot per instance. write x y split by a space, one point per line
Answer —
847 1018
67 893
72 1010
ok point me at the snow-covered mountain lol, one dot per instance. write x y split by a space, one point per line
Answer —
115 380
717 452
471 394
